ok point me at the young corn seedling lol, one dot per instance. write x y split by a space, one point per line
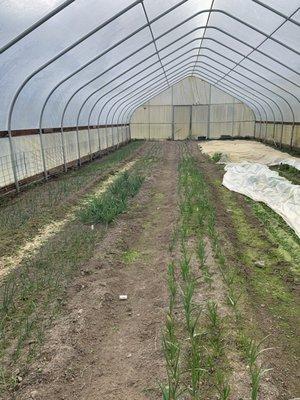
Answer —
172 355
223 387
256 376
188 293
196 371
201 253
252 352
185 268
212 311
172 286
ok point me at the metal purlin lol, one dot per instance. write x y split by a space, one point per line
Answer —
264 41
252 51
122 13
205 29
153 41
280 14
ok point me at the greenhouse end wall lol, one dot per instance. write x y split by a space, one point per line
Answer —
192 108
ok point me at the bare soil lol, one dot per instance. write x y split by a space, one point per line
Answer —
103 347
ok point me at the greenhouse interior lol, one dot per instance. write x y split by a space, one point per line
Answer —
150 199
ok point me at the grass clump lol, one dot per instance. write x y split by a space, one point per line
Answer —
216 157
130 256
289 172
106 207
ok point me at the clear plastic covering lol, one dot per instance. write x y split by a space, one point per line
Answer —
93 62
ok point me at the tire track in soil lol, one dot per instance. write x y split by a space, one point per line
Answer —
104 348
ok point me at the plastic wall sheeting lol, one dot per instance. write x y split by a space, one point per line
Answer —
283 134
192 108
98 60
28 155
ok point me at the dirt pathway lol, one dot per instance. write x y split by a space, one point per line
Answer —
103 347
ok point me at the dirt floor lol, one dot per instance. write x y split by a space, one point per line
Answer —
103 347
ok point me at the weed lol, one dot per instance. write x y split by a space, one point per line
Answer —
216 157
130 256
289 172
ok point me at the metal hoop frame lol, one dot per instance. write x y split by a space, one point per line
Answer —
256 99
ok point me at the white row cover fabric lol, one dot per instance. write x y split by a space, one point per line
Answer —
95 61
234 151
259 183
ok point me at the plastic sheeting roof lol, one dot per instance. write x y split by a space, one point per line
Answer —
85 62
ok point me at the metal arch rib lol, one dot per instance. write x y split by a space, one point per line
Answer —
83 38
35 25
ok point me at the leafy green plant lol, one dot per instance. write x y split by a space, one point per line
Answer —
216 157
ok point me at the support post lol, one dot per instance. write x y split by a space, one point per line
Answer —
208 113
13 161
43 154
63 150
